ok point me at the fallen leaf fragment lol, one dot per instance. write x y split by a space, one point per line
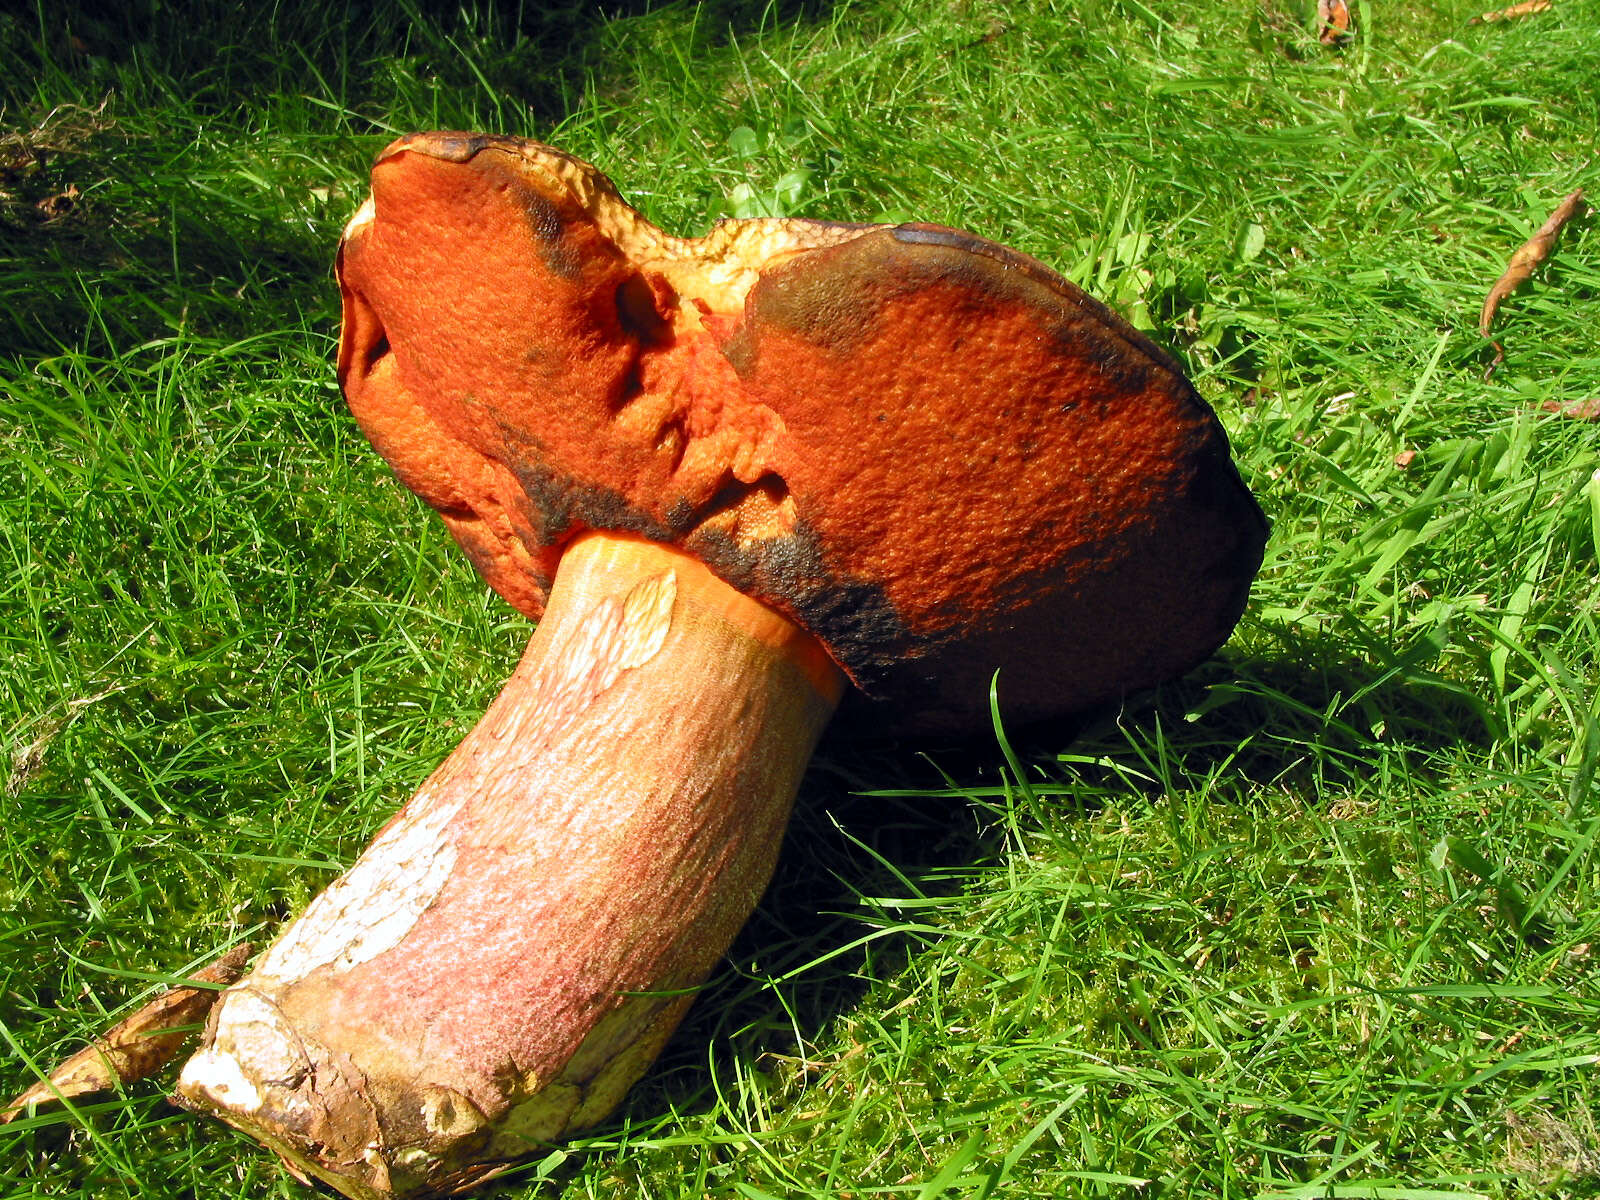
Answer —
1520 269
59 204
1333 21
1577 410
137 1046
1525 9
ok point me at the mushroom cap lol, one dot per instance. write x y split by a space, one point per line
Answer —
931 452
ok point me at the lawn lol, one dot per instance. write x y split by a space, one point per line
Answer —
1316 921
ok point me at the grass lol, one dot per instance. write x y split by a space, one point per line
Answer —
1317 921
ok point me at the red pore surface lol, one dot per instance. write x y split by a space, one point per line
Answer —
932 452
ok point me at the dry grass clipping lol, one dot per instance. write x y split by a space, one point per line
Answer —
28 757
25 153
1546 1150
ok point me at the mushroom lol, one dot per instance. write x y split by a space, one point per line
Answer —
735 478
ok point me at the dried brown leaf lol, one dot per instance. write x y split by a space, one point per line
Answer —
1528 256
1333 21
1576 410
1525 9
137 1046
1521 267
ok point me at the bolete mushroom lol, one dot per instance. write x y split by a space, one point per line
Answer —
733 477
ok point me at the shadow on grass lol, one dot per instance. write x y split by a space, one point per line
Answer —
153 174
1315 719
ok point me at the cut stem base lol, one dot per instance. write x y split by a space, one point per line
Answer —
514 948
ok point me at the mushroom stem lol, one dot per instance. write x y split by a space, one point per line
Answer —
513 949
